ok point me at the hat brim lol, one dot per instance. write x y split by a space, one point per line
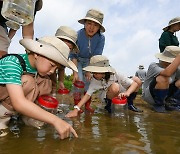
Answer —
76 49
161 57
82 21
166 28
97 69
46 51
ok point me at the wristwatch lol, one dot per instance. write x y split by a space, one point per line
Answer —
77 107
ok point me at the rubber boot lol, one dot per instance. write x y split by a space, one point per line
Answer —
159 98
130 100
87 106
108 105
172 103
75 103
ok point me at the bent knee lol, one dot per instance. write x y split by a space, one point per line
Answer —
177 83
28 82
114 88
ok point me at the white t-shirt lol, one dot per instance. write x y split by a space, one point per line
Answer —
101 85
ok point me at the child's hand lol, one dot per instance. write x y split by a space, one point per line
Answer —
71 114
125 94
88 76
61 85
64 129
75 77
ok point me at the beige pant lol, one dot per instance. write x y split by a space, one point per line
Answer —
32 87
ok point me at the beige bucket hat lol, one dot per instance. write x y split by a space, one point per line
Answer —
96 16
172 22
65 32
169 54
99 64
52 48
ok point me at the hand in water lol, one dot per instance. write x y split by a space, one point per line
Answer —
64 129
71 114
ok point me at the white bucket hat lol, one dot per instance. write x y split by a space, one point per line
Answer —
169 54
65 32
172 22
96 16
99 64
50 47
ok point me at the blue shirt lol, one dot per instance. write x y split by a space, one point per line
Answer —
89 47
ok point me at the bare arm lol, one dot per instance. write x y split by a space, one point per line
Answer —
61 73
168 71
11 33
75 74
130 90
30 109
74 113
28 31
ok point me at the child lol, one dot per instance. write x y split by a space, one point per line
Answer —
162 81
68 36
167 37
18 89
90 42
108 82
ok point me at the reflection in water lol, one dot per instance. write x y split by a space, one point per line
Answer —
140 124
100 132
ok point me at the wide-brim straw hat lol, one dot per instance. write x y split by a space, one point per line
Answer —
50 47
99 64
67 33
172 22
169 54
39 4
94 15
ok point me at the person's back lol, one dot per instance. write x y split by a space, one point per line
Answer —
141 73
168 37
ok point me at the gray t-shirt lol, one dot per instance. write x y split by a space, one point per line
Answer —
154 70
141 74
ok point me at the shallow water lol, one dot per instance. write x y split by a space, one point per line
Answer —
140 133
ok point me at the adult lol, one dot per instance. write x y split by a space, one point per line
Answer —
90 42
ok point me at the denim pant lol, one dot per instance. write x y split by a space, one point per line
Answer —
83 62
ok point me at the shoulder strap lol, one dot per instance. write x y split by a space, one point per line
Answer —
21 60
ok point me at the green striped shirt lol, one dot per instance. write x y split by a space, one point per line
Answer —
11 70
